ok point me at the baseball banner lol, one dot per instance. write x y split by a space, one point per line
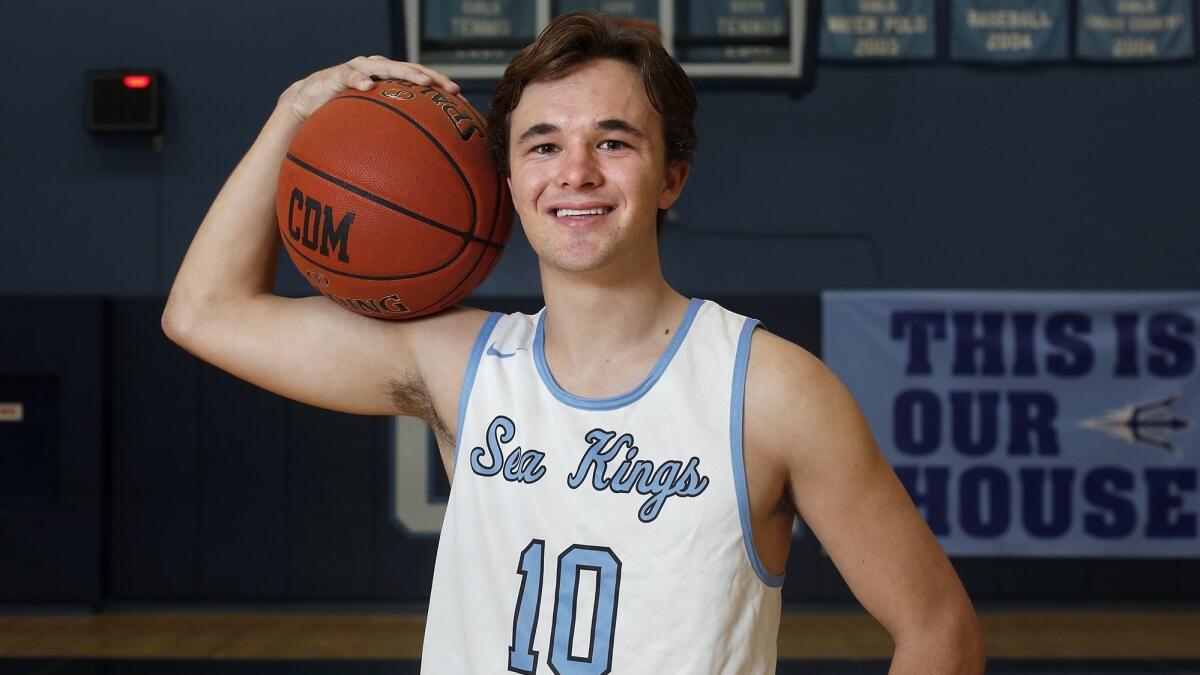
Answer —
1008 31
1032 424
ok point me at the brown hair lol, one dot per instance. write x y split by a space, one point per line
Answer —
574 39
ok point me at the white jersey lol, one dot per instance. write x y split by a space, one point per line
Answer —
598 535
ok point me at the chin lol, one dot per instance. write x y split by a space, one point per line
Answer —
578 258
574 263
574 256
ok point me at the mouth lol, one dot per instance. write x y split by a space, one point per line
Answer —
581 213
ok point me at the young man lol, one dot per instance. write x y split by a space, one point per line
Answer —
626 463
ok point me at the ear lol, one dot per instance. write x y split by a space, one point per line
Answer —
673 180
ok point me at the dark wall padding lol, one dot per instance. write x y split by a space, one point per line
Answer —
222 491
50 546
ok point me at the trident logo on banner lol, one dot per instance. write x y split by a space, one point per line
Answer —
1153 424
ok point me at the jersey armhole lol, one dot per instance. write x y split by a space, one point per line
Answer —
468 383
736 413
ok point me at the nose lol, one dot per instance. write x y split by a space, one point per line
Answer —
579 168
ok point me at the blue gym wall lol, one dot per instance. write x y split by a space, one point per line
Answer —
922 176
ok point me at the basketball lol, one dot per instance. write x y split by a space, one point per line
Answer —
389 201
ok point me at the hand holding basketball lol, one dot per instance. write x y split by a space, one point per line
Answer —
389 201
303 97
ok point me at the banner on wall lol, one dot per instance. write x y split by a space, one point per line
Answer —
867 30
643 10
1135 30
1032 424
468 32
1008 31
732 31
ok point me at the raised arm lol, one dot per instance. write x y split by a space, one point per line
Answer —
805 424
221 307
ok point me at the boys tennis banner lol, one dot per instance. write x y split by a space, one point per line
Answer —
1030 423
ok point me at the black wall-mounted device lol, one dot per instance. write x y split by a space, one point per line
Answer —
124 101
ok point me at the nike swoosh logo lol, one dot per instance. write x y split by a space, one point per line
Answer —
491 351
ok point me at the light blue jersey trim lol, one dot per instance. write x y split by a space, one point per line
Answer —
469 377
611 402
736 410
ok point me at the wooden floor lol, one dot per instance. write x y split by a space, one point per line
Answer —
397 636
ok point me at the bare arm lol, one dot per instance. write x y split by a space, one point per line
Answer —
848 494
221 307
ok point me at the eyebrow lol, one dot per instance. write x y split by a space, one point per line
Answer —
613 124
539 129
610 124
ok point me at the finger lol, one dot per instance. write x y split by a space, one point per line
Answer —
439 78
383 67
386 69
358 72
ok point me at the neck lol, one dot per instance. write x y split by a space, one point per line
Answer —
630 313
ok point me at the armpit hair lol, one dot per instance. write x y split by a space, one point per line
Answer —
411 397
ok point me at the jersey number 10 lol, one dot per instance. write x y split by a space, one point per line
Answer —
606 565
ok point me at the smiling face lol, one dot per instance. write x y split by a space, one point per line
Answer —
588 169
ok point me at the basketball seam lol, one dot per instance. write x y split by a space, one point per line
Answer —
496 210
371 277
436 143
350 187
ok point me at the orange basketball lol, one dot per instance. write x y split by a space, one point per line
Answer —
389 200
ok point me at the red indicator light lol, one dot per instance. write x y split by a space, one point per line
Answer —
136 81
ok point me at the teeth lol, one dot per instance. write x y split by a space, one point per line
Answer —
598 211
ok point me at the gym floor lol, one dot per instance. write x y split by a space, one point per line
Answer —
137 642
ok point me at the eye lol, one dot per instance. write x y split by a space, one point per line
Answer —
613 144
543 149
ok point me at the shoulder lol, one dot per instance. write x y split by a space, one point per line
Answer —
440 349
447 332
795 407
784 377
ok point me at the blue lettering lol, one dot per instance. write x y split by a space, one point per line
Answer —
1102 488
668 482
917 326
596 458
630 472
1163 488
521 466
984 516
925 407
1126 325
963 422
501 430
664 480
1179 357
989 345
1023 325
1061 329
669 479
926 486
1031 423
1033 498
693 483
636 473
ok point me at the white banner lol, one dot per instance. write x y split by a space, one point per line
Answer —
1029 423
